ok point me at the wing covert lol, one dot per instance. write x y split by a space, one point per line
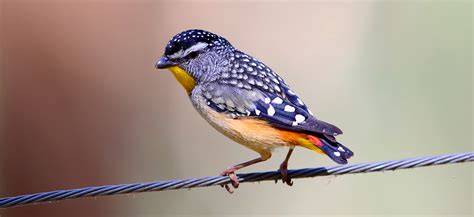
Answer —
272 107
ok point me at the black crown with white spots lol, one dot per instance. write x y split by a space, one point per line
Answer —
188 38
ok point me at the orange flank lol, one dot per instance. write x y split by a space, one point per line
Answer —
259 135
302 139
291 137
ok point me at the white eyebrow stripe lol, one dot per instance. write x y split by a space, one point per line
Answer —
176 54
181 53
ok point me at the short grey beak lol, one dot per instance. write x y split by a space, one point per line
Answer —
164 63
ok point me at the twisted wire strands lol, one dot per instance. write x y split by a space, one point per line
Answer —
108 190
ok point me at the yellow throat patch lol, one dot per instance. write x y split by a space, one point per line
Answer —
184 78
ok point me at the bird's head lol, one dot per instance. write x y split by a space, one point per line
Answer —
195 56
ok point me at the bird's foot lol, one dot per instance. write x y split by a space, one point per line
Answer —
284 174
234 180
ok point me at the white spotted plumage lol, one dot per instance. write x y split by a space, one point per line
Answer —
299 118
289 108
271 110
277 100
300 101
257 112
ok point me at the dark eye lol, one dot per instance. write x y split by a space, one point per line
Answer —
193 54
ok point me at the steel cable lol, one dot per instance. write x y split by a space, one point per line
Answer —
108 190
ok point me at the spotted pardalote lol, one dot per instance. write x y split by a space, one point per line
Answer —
247 101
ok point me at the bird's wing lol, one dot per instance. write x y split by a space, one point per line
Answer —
281 109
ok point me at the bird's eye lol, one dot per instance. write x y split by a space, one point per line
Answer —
193 54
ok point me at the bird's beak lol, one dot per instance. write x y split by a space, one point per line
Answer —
164 63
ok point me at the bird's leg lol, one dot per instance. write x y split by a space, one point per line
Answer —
284 168
231 172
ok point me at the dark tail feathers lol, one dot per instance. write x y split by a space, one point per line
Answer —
335 150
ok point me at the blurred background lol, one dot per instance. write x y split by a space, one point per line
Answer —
82 105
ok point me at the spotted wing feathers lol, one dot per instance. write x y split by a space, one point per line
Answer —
232 100
280 112
284 114
250 88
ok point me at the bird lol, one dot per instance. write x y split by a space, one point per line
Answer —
245 100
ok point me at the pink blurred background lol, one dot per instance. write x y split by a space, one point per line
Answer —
82 105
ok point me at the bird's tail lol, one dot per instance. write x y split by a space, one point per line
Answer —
335 150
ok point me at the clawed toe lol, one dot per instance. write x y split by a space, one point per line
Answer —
284 175
230 172
288 181
234 180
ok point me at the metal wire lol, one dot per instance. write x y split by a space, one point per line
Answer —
108 190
